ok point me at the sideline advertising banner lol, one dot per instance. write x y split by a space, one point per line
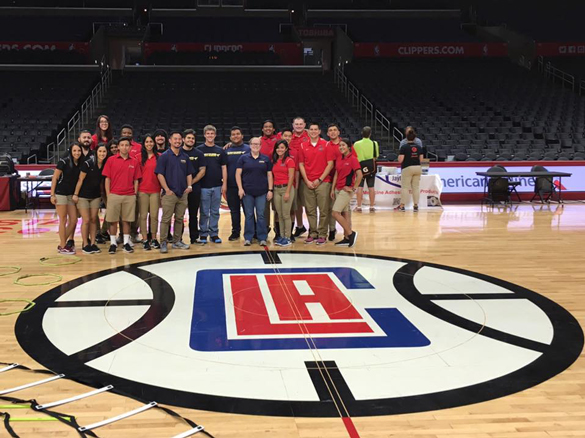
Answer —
429 50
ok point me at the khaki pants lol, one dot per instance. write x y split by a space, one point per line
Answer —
318 198
410 179
172 204
283 209
148 203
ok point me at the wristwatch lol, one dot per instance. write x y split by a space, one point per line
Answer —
320 180
270 190
190 187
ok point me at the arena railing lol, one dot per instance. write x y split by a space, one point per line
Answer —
582 87
372 116
556 74
82 116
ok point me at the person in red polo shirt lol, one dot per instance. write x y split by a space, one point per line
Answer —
269 138
122 173
103 132
299 136
315 164
333 133
148 193
128 132
347 179
135 150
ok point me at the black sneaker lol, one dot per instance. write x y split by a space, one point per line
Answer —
146 245
299 231
95 249
87 249
100 239
154 244
415 208
332 235
128 248
234 236
343 242
352 238
113 249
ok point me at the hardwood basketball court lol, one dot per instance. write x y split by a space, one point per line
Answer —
535 247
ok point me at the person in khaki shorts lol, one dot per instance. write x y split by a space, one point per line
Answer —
62 189
347 179
174 172
122 173
409 157
315 164
88 196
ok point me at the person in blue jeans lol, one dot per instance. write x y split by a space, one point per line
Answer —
236 149
213 186
255 187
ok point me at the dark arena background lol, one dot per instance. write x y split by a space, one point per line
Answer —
155 287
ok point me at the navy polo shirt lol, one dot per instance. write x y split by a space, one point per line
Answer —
175 169
197 162
215 157
255 174
233 155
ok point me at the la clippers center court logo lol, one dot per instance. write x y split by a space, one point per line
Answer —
252 332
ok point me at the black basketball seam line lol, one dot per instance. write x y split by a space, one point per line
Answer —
414 297
101 303
543 368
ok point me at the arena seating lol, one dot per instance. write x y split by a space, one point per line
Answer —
150 100
545 22
476 109
229 30
34 105
401 29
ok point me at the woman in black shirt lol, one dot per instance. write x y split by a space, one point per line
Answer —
88 196
409 157
62 189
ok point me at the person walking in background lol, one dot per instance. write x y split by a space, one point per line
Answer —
367 152
62 189
347 179
255 187
283 172
409 158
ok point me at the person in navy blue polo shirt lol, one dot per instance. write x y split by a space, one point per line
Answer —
194 199
255 187
213 186
174 172
236 150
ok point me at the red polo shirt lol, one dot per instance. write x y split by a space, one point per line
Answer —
296 142
280 170
94 142
135 149
267 145
149 182
345 168
122 173
315 159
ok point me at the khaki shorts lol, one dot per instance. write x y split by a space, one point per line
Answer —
121 208
342 200
86 203
64 199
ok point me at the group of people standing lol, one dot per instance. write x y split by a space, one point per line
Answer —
282 172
